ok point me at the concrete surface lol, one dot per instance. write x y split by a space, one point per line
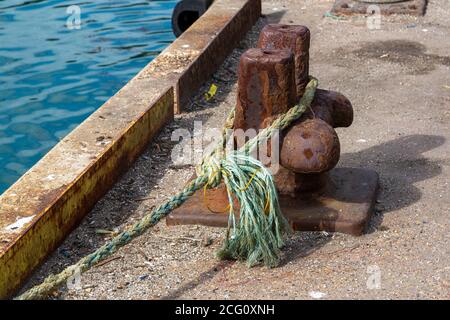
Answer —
398 79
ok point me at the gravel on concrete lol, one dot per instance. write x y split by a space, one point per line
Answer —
398 80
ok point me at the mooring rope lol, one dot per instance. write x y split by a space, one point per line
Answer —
258 235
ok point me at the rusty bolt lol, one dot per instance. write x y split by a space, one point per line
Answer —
311 146
332 107
266 87
295 38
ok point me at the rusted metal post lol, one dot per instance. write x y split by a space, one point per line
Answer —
295 38
332 107
266 87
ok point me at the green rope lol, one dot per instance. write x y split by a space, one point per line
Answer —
258 235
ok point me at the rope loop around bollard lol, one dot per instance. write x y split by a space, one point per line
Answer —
258 241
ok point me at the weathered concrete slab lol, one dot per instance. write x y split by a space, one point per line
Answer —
350 7
198 52
345 206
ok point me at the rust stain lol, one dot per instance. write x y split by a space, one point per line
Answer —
308 153
306 135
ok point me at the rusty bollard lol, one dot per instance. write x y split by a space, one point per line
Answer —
266 89
332 107
313 194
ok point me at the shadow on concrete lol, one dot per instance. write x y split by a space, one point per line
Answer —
202 278
400 164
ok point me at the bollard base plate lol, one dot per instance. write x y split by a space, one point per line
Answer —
353 7
345 206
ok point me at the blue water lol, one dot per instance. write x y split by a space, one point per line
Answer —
56 69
